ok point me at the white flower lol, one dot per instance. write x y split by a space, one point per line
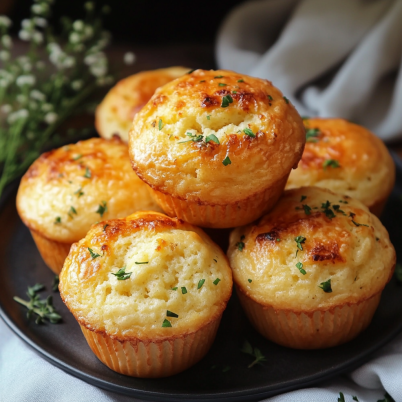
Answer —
23 80
24 35
6 109
4 83
7 42
46 107
42 8
23 59
6 78
53 47
4 55
78 25
74 37
21 99
18 115
26 24
129 58
40 22
37 95
77 85
98 70
5 21
33 105
69 62
50 117
37 37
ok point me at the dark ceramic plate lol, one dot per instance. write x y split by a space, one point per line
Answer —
223 374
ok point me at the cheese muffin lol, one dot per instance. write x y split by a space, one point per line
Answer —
116 112
68 189
148 292
348 159
216 147
310 273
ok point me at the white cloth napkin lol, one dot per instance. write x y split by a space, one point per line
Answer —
26 377
332 58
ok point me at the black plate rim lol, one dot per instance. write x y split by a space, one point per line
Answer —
254 393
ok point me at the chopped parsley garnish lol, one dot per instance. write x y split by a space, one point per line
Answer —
166 323
250 280
286 99
191 71
193 137
93 255
171 314
202 81
55 284
303 197
398 272
234 92
105 226
160 124
227 161
240 245
226 101
338 209
102 208
299 241
213 138
355 399
79 192
240 80
175 288
256 353
57 221
221 84
326 286
216 281
278 239
307 209
218 76
121 274
209 117
200 283
143 262
333 163
73 210
299 266
249 132
270 97
87 173
326 207
343 202
79 156
183 290
341 397
359 224
312 134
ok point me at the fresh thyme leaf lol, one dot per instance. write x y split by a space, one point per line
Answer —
333 163
359 224
73 210
171 314
219 76
79 192
221 84
234 92
249 132
256 353
250 280
355 399
200 283
299 266
55 284
87 173
143 262
278 239
208 117
105 226
175 288
240 80
102 208
326 286
337 208
35 289
79 156
57 221
326 207
160 124
183 290
216 281
303 197
343 202
270 97
93 255
227 161
398 273
307 209
193 137
299 241
341 397
240 245
166 323
213 138
121 274
312 135
286 99
226 101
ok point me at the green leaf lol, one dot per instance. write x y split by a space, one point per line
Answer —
87 173
333 163
307 209
143 262
326 286
286 99
221 84
121 274
57 221
216 281
55 284
213 138
249 132
171 314
93 255
183 290
341 397
227 161
312 135
299 241
200 283
240 245
166 323
250 280
160 124
226 101
102 208
299 266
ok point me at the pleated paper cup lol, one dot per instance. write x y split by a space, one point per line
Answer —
53 252
152 359
225 215
310 330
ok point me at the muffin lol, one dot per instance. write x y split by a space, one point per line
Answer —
68 189
216 147
310 273
148 292
348 159
116 112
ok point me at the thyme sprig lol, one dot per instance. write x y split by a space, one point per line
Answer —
255 352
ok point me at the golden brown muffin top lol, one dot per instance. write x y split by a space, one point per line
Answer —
314 250
346 158
216 137
169 265
68 189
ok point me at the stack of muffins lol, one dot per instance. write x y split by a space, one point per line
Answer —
212 149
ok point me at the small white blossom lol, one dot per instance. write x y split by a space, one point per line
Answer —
7 42
40 22
26 24
24 35
69 62
53 47
37 95
4 83
40 9
6 77
4 55
98 70
23 80
5 21
18 115
50 117
6 109
77 85
37 37
47 107
78 25
129 58
74 37
23 59
33 105
21 99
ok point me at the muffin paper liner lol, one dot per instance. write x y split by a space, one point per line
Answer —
151 359
310 330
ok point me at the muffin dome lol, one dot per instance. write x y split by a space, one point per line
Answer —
171 266
333 237
68 189
116 112
216 137
347 159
